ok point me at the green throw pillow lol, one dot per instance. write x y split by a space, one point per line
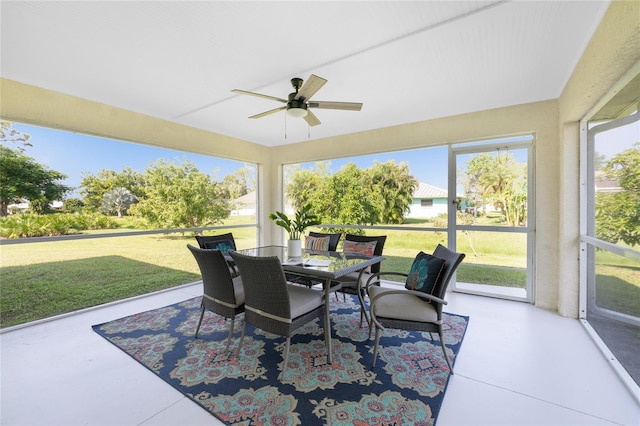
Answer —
425 273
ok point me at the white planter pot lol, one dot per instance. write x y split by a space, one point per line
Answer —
294 248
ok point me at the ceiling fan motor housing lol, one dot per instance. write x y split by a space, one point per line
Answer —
296 103
296 83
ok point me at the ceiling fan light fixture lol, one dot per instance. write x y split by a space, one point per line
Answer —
297 112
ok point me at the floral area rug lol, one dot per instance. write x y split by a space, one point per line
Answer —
406 387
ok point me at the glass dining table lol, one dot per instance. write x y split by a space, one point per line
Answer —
323 266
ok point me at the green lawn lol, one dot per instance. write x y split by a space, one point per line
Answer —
469 273
39 280
618 289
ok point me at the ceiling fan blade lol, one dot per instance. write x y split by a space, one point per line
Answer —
348 106
310 87
271 111
311 118
260 95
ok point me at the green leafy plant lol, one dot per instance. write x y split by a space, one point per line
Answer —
26 225
303 219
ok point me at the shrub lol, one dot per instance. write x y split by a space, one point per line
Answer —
35 225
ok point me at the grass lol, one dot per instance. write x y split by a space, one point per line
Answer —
39 280
615 289
44 279
468 273
49 288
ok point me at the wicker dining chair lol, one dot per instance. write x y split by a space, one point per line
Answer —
354 283
414 310
223 294
272 304
222 242
206 241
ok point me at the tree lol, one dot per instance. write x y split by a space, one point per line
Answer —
382 193
22 178
598 160
239 182
94 187
73 205
346 198
306 186
13 136
179 195
498 181
394 187
118 200
514 200
618 213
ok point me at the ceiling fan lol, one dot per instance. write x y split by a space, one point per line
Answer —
299 102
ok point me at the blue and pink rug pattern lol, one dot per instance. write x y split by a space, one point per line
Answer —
406 387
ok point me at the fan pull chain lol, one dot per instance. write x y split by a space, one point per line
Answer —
285 125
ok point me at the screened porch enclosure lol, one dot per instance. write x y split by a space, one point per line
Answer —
573 269
611 265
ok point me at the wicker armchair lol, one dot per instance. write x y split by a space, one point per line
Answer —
354 283
224 242
410 309
273 305
223 294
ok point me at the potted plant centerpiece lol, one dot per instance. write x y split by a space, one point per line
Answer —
303 219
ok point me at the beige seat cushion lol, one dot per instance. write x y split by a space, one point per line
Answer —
303 299
402 306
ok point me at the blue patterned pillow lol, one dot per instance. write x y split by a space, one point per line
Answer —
222 245
425 273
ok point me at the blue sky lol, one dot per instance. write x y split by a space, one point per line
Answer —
74 154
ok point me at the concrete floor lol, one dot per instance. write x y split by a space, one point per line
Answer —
518 365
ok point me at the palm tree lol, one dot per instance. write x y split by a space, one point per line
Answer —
118 200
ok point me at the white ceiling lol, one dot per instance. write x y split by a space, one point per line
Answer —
406 61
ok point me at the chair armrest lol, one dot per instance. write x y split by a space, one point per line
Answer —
419 294
378 274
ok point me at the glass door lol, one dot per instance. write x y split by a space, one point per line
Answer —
491 219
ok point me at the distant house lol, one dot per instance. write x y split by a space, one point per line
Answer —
604 184
428 201
24 206
245 205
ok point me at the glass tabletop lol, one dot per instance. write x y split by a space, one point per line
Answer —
324 264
